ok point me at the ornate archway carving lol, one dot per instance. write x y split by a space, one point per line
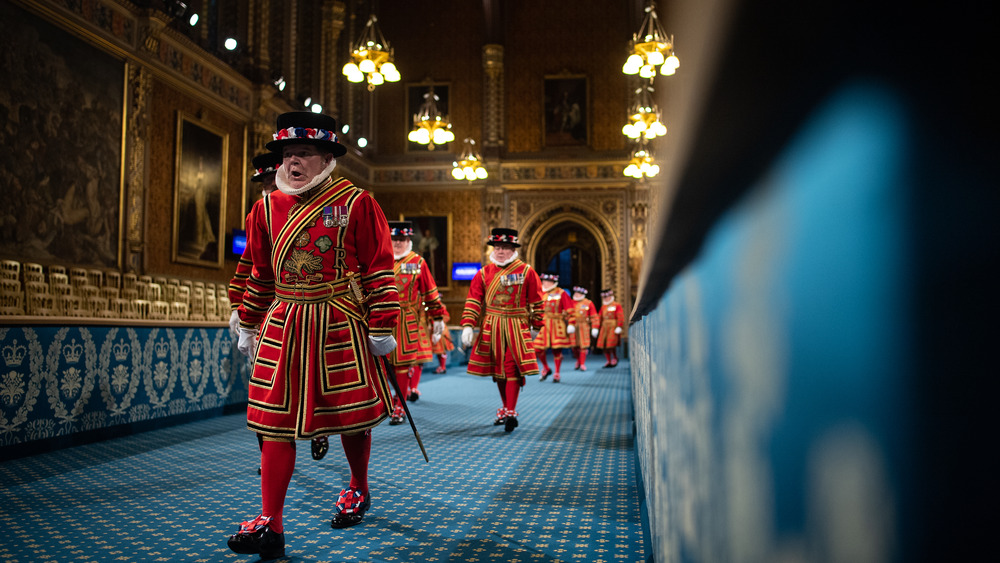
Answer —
610 249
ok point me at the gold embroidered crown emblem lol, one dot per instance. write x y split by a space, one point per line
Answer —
72 352
13 354
120 350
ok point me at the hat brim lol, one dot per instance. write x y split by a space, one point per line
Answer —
336 148
492 243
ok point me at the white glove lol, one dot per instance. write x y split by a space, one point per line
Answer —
593 333
438 327
248 341
435 338
381 345
570 329
467 337
618 330
234 324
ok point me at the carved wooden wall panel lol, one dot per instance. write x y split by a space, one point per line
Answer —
165 102
589 41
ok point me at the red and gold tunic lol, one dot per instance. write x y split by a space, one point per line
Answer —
505 302
416 288
612 317
558 310
585 315
445 343
321 283
238 285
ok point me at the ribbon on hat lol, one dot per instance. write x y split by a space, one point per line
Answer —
305 133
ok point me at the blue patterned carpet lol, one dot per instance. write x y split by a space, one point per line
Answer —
561 487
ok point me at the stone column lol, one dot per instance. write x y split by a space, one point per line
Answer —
637 243
140 83
493 122
333 24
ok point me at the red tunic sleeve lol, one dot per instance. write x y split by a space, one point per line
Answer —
429 293
375 260
238 285
534 298
473 310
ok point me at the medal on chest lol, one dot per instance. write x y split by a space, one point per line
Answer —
335 216
512 279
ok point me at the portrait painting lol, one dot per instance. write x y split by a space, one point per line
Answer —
61 115
199 193
432 240
416 96
565 111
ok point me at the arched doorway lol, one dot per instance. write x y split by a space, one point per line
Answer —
572 251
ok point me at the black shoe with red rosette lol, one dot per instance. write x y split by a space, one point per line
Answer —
351 507
256 536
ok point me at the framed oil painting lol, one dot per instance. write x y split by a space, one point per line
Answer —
416 95
565 111
199 193
62 109
432 240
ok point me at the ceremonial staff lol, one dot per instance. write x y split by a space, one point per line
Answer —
390 374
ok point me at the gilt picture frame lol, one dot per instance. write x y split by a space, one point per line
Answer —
199 193
566 111
432 240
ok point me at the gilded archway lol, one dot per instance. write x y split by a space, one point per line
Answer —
535 227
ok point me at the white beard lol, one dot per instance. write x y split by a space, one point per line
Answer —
409 247
607 300
502 264
281 179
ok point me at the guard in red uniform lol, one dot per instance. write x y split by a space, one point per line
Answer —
440 346
612 323
505 302
265 166
585 318
417 291
320 304
558 328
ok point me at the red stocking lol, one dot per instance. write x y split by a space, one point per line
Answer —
358 449
542 358
443 361
415 377
583 358
607 356
403 380
557 356
277 461
513 388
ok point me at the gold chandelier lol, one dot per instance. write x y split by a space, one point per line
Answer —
429 126
651 48
642 163
371 58
644 117
469 166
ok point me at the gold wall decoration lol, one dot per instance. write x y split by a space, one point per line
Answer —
199 192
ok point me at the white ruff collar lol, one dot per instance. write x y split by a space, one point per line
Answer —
501 265
281 179
409 247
